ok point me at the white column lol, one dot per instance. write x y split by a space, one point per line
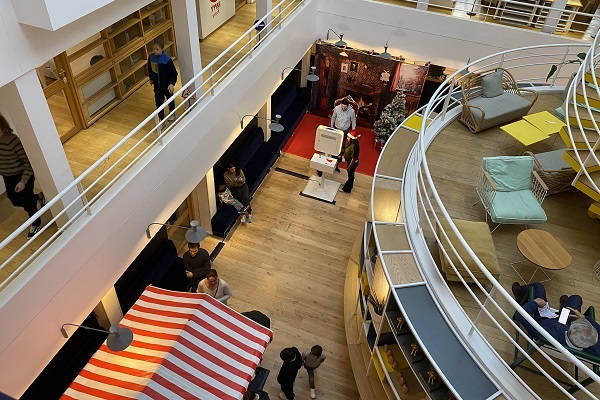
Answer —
23 102
204 201
263 7
109 311
553 17
305 68
188 41
422 4
265 112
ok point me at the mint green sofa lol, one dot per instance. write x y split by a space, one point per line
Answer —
511 190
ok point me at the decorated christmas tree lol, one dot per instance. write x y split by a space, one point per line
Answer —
391 116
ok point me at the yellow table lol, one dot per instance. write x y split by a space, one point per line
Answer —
545 122
523 132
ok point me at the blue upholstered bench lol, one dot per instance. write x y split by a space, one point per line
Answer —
255 158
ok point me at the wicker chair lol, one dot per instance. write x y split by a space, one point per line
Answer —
482 110
554 171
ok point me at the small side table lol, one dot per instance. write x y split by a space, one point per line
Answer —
544 250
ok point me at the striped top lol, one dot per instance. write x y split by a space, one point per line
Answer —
185 346
13 160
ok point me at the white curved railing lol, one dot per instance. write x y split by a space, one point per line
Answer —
537 16
588 65
145 137
422 210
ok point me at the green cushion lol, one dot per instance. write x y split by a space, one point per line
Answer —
518 207
510 173
491 84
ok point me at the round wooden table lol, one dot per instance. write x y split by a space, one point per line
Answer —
544 250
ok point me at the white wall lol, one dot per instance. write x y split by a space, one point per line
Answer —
80 268
54 14
422 36
26 47
71 277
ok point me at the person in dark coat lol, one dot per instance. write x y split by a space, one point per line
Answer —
351 155
292 362
163 76
579 332
197 264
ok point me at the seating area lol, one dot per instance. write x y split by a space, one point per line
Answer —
491 98
255 157
253 154
511 191
540 172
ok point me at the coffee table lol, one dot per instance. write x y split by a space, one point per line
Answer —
544 250
533 128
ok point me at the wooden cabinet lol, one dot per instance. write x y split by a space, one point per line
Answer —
111 65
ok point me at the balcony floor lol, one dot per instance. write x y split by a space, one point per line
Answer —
455 158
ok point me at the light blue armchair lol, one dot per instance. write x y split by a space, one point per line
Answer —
511 191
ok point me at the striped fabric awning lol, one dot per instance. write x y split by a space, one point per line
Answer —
185 346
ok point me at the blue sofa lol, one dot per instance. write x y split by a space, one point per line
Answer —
291 103
255 158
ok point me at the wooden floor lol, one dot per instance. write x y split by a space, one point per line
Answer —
454 159
290 263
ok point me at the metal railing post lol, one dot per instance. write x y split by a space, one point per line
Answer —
447 99
485 304
84 199
250 47
210 82
279 19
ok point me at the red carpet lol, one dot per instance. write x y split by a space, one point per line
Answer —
302 143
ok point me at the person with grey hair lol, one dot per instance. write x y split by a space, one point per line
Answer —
579 332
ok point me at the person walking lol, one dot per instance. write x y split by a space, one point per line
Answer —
236 182
197 264
292 362
351 154
18 176
312 360
163 76
344 119
215 286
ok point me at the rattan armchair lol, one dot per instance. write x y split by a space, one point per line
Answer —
481 111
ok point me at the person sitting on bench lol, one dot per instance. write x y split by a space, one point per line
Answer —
579 332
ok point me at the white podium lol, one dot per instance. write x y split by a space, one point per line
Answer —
328 141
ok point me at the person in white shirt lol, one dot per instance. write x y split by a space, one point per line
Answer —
344 119
215 287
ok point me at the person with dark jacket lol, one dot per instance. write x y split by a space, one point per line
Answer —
163 76
578 332
292 362
197 264
236 182
351 155
18 176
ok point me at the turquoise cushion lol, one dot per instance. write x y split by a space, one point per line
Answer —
510 173
491 84
519 207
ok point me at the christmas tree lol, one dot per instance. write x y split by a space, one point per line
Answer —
391 116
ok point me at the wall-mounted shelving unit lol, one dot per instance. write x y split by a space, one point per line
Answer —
111 65
415 352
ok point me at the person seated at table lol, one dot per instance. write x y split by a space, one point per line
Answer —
215 287
579 332
251 395
197 263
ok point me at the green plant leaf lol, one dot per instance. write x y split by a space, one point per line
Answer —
552 71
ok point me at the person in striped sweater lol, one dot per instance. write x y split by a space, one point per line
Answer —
18 175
